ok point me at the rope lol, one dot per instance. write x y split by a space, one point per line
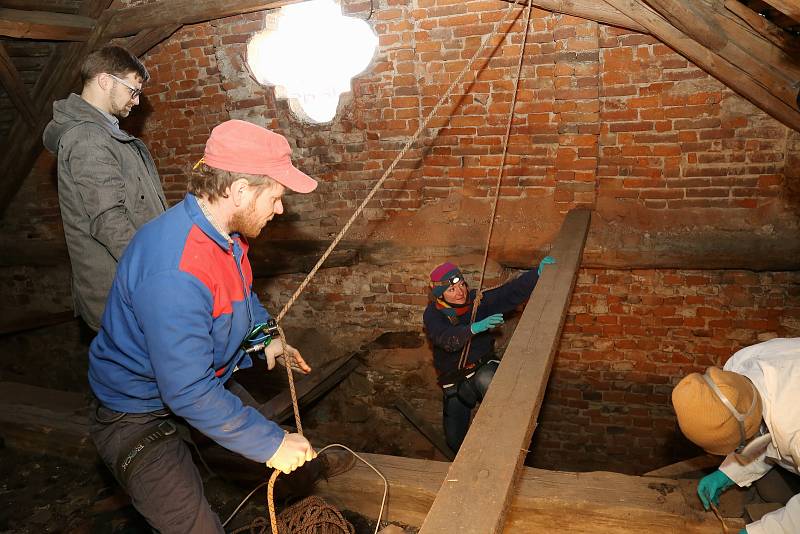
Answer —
423 125
309 516
394 163
462 362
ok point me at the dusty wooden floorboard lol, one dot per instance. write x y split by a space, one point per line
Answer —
543 501
486 467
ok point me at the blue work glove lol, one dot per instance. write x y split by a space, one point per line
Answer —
486 324
711 486
743 531
547 260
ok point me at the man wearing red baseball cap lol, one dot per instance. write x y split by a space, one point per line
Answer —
175 328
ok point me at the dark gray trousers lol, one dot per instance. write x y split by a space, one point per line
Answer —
164 485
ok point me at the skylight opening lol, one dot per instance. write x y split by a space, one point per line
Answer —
310 52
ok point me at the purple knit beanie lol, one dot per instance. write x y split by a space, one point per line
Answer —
441 277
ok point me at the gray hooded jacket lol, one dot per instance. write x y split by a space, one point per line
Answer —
108 186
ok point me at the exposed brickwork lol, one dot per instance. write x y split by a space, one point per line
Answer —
605 118
629 337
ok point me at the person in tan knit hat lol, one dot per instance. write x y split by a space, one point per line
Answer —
748 412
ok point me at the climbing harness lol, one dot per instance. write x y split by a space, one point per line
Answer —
423 125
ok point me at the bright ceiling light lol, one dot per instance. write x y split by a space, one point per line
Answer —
310 52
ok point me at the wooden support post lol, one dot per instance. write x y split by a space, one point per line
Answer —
480 483
543 501
425 428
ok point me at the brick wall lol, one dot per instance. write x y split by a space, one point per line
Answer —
674 165
629 338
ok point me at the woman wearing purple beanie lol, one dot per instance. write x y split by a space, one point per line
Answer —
449 326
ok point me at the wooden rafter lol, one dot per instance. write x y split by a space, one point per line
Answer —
44 25
756 56
132 20
57 6
14 86
755 91
489 461
788 7
589 10
776 35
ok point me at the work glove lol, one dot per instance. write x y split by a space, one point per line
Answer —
743 531
274 352
486 324
547 260
711 486
295 450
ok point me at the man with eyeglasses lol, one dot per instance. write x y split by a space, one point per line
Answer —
748 411
463 350
108 185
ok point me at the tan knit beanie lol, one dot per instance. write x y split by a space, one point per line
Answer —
704 418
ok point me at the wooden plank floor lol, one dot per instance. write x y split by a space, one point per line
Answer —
543 501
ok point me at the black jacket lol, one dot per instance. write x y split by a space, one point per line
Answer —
449 339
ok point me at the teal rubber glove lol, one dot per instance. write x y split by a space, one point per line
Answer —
711 486
547 260
743 531
486 324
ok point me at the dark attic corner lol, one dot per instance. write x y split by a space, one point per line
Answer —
619 178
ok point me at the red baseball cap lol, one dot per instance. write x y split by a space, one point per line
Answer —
241 146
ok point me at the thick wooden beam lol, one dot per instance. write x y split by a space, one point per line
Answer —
43 25
776 35
132 20
589 10
491 456
788 7
58 6
15 87
544 501
728 73
760 59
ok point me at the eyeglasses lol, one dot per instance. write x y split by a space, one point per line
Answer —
134 91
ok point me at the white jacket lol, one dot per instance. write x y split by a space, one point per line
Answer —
774 369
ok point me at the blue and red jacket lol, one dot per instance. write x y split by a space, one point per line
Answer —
180 306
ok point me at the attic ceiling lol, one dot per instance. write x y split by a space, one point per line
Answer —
751 45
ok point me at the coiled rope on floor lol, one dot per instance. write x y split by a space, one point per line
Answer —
274 519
